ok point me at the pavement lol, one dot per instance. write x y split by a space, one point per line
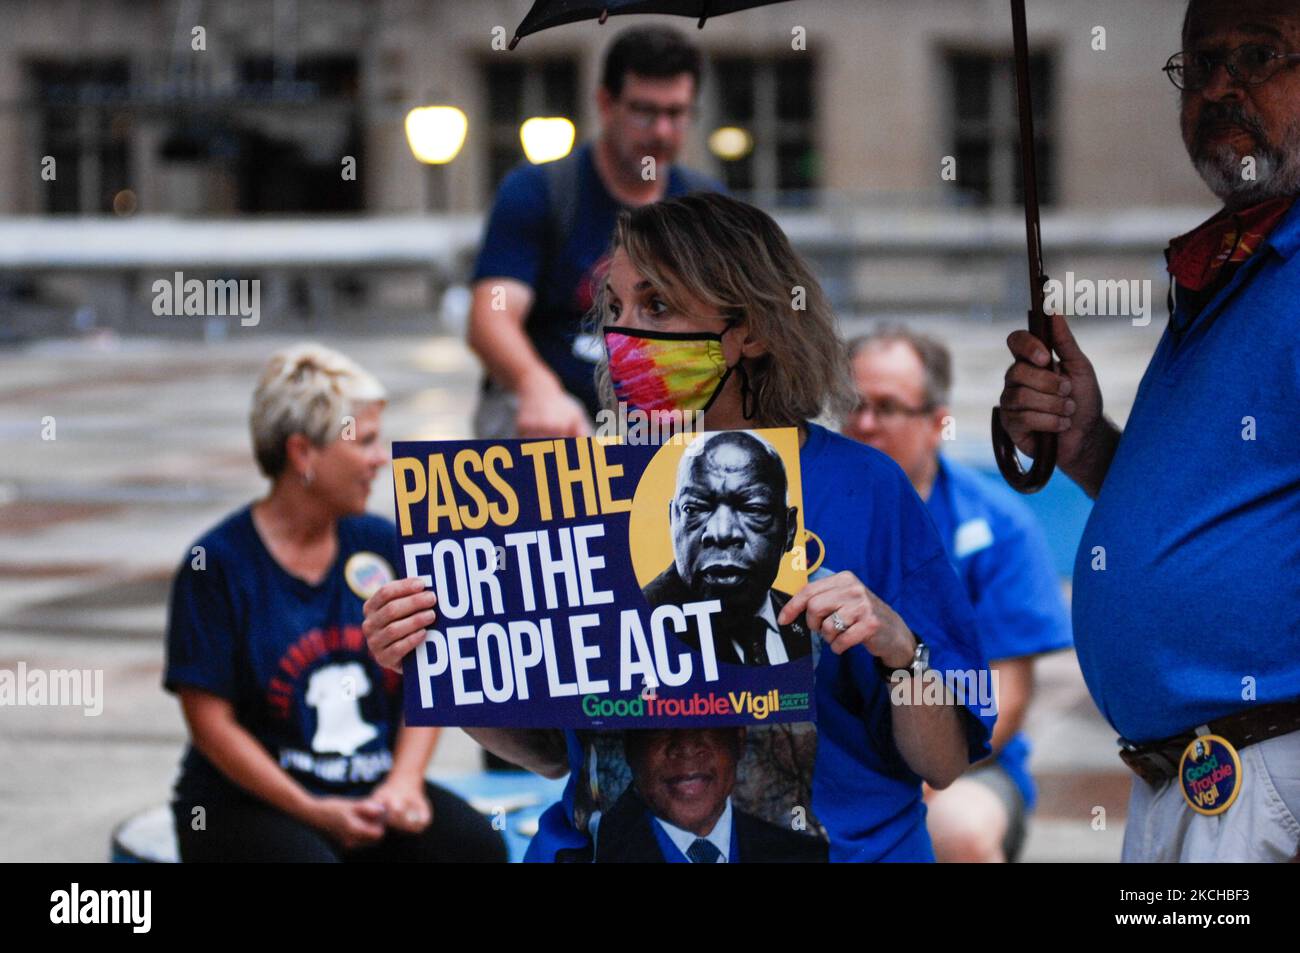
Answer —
116 452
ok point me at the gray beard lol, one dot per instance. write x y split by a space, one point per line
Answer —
1277 173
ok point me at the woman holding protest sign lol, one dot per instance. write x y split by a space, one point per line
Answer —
298 751
705 306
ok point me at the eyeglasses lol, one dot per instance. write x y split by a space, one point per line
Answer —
888 411
1251 65
644 115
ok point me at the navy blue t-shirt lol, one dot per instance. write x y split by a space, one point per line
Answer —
515 246
866 799
289 656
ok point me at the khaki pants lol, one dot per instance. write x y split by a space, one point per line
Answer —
1261 825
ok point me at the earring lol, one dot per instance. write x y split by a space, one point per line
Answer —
307 478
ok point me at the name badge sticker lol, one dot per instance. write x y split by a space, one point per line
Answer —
366 573
1210 774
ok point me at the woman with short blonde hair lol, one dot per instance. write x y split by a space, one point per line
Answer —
297 748
310 390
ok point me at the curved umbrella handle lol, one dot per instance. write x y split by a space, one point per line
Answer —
1004 451
1004 448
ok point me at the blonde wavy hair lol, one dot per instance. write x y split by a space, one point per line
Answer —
306 389
735 258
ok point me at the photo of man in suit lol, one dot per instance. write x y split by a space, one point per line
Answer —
678 808
730 525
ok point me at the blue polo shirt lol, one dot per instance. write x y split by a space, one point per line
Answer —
1187 580
870 521
1002 560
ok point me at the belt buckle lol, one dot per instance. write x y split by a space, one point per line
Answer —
1127 750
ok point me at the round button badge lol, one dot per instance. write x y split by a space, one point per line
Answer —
366 573
814 551
1210 774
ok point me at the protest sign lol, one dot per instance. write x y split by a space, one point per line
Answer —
593 583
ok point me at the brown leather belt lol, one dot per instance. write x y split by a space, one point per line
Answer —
1157 761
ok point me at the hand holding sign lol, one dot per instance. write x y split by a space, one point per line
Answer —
863 618
397 617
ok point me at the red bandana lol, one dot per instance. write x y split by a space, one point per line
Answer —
1197 258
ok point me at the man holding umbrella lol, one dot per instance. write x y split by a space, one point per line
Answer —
1187 581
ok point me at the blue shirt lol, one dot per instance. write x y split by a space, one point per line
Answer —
1002 559
870 522
515 243
1187 580
289 656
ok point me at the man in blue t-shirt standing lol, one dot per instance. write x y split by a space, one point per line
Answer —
550 226
903 380
1187 580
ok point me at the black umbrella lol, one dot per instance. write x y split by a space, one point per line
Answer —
549 13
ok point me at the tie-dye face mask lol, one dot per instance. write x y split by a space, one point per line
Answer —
663 371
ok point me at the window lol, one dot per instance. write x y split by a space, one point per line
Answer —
772 100
85 122
290 134
520 90
986 127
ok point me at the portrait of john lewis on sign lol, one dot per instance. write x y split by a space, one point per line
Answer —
731 525
679 806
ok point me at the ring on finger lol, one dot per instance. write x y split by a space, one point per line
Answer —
839 623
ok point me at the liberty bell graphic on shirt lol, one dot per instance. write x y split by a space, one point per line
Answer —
335 692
